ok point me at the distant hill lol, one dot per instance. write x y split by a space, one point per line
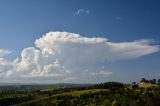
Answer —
9 86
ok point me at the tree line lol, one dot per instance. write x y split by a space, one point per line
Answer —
151 81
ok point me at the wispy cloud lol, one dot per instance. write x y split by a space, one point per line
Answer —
81 11
101 73
118 18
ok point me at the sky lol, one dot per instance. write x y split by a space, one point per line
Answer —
87 41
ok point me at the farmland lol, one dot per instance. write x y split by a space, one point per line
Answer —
104 94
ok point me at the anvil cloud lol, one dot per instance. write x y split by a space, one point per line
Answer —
64 56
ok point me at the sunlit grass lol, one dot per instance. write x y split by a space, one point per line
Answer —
78 93
147 85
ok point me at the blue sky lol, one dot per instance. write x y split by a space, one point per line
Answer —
22 22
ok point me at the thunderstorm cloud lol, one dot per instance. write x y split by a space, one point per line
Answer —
64 56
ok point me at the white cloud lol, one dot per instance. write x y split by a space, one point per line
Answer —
4 52
101 73
63 56
81 11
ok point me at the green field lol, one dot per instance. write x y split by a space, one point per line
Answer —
104 94
147 85
78 93
71 93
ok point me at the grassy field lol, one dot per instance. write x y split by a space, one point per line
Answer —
106 94
147 85
78 93
73 93
49 89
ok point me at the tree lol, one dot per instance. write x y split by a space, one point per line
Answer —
159 81
134 83
143 80
116 103
154 81
135 86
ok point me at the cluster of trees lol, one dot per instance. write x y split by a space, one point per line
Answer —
152 81
107 85
114 96
109 94
9 97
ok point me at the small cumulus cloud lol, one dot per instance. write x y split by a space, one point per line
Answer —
64 56
81 11
4 52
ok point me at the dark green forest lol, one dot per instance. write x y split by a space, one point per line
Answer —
145 93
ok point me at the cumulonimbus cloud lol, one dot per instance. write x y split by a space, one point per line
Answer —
64 56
